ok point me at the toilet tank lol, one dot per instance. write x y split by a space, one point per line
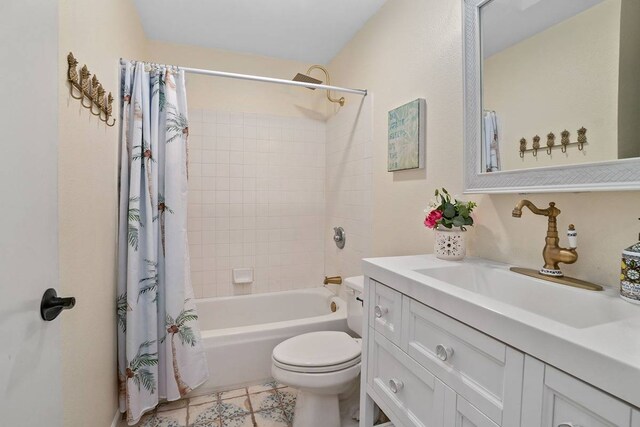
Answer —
354 289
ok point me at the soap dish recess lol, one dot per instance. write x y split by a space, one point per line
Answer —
242 276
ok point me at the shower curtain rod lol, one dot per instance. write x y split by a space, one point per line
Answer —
213 73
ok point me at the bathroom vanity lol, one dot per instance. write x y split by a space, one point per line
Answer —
473 344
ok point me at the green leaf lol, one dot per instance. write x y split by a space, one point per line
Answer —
449 210
458 221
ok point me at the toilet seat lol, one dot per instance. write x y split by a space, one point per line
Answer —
317 352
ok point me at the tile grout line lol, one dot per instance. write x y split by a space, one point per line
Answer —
253 417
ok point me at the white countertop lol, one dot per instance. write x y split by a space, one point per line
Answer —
606 355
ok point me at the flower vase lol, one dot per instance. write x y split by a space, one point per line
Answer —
450 244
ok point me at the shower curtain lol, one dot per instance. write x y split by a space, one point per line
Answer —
160 355
491 142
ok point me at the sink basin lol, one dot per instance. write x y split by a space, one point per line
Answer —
573 307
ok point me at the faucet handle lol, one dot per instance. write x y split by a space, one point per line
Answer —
572 234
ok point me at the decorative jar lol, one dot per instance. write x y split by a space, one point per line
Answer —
450 244
630 275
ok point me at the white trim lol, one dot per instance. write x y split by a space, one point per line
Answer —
616 175
214 73
116 419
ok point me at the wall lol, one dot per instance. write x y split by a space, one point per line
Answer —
411 49
629 88
256 200
565 77
241 95
98 33
349 186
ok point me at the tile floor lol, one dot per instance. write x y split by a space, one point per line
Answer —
266 405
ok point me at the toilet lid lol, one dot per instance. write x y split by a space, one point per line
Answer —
327 349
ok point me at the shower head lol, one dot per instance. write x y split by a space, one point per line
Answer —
306 79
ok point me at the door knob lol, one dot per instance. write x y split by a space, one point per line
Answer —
51 304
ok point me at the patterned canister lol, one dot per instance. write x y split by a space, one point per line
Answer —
630 275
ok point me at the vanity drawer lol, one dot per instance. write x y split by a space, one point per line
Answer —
385 311
414 395
569 402
485 372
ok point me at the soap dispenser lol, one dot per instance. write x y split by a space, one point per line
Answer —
630 276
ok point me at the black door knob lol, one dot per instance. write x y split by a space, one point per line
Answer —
52 304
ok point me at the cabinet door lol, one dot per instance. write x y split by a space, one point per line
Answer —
385 312
409 394
460 413
560 400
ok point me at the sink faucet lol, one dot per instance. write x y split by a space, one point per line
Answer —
552 253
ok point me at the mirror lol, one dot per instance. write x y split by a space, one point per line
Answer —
553 86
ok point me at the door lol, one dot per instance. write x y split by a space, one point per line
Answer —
30 384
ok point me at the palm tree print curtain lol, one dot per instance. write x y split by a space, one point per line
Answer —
160 355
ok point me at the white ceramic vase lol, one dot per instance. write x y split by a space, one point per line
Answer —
450 244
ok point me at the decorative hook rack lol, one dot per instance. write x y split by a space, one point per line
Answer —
84 88
565 142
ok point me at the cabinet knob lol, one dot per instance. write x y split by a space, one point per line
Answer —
395 385
568 425
379 311
444 353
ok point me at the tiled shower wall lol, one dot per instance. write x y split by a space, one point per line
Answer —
256 200
349 187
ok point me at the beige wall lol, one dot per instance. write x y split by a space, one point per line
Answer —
98 33
240 95
565 77
412 49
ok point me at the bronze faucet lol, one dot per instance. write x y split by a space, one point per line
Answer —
552 253
334 280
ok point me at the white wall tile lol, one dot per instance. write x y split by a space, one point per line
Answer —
256 199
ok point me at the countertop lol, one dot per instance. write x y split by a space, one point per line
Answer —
606 355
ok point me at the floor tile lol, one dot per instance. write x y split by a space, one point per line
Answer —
288 396
205 415
234 407
241 421
168 406
233 393
267 385
265 400
206 398
173 418
274 417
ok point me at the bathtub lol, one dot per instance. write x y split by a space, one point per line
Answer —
240 332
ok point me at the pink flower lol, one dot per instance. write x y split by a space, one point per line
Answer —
431 220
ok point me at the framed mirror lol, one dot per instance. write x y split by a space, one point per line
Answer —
552 95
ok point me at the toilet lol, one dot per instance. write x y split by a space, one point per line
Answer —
322 365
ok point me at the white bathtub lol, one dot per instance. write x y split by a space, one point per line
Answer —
240 332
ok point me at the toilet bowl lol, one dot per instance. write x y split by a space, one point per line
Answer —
322 366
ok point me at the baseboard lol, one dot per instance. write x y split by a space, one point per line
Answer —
116 419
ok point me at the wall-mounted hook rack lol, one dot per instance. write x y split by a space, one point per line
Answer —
90 89
565 142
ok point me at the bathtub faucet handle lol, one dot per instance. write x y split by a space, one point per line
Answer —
334 280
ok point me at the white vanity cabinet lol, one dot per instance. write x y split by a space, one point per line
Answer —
553 398
426 369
